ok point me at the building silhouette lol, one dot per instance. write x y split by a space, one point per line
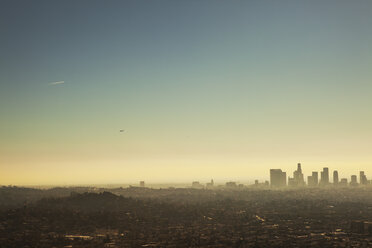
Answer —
196 185
210 185
343 182
298 177
278 178
362 178
312 180
231 185
335 177
353 181
324 176
315 176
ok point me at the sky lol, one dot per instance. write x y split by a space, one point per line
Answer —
202 89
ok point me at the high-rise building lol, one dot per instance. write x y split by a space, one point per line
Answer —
291 182
315 178
298 177
142 184
278 178
324 176
362 178
310 181
353 181
335 177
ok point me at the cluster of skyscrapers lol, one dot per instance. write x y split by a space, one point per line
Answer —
278 178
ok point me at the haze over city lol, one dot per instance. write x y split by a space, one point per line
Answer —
185 124
201 89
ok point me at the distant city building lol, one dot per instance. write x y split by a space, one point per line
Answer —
210 185
362 178
353 181
324 176
291 182
343 182
142 184
196 185
257 183
298 177
315 178
231 185
278 178
312 180
335 177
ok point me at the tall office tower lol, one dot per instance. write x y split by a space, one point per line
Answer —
324 176
299 176
335 177
283 179
353 181
310 181
362 178
278 178
291 182
315 177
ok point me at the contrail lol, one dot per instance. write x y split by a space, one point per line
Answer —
58 82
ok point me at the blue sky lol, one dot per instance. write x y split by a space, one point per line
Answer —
198 85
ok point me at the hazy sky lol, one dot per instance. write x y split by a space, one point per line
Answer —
203 89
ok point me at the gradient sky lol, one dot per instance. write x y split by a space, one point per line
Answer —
204 89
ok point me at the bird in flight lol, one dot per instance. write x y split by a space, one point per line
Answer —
121 130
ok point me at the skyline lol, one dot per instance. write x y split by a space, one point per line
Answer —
332 177
203 89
